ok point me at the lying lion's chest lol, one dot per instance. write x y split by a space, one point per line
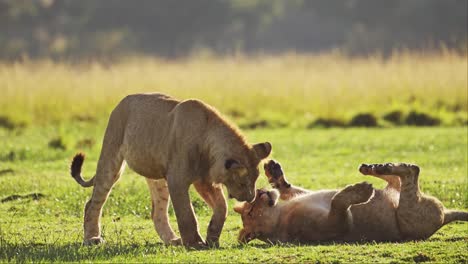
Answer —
304 221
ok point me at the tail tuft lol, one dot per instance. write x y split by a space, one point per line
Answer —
77 163
75 170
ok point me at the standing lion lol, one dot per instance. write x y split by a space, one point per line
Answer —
173 144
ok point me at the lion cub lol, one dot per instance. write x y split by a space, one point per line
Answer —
357 213
173 144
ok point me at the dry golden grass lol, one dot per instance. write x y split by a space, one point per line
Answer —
293 89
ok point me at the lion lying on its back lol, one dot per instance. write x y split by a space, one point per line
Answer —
173 144
356 213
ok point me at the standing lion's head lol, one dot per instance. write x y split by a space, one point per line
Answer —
241 172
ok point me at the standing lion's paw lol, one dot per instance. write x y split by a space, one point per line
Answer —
195 245
93 241
212 243
174 242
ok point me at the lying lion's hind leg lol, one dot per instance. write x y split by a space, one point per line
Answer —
159 206
214 197
339 215
418 216
108 172
380 171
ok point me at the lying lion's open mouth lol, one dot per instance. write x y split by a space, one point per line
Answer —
260 193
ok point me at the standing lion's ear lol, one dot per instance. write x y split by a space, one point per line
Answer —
263 150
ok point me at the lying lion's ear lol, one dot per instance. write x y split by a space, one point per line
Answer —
239 208
263 150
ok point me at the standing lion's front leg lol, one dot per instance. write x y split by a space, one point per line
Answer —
159 205
214 197
186 220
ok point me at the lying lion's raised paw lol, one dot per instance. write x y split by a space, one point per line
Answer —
399 169
275 175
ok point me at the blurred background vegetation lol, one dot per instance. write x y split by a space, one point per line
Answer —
111 28
264 63
279 69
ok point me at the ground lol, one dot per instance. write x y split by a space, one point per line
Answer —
42 207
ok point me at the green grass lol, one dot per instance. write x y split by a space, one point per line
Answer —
50 228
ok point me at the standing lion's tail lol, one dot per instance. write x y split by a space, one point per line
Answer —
75 170
453 215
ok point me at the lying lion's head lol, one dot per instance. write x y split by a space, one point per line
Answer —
241 172
258 218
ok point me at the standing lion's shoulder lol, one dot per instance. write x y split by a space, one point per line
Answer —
194 104
196 111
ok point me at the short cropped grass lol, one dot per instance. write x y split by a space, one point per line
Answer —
42 207
266 91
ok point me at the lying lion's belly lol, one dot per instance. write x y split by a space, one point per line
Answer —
304 216
375 220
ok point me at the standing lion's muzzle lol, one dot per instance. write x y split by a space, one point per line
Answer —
251 199
244 197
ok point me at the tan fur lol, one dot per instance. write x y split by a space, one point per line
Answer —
357 213
173 144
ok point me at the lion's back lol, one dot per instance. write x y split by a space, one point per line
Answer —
159 128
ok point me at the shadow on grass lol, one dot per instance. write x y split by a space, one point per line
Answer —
264 245
75 252
34 196
260 244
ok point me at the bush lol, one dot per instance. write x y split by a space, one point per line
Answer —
327 123
421 119
57 143
394 117
7 123
363 120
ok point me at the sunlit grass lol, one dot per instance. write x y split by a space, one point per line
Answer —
50 228
289 89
